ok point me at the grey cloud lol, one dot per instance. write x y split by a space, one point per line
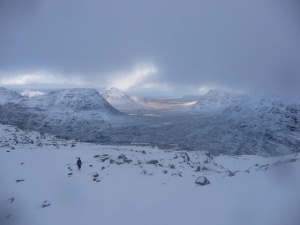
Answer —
239 44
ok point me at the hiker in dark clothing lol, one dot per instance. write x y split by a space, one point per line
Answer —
79 163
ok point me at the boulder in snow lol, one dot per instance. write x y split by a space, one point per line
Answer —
202 181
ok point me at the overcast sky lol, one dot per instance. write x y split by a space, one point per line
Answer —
157 46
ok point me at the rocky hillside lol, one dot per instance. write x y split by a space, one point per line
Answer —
248 124
73 113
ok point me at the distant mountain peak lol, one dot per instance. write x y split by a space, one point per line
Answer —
115 92
121 101
78 99
31 94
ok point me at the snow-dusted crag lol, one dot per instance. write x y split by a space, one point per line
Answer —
76 113
75 99
124 102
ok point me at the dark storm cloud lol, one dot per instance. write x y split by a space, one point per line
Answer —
239 44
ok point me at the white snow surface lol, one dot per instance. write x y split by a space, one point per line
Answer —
125 185
31 94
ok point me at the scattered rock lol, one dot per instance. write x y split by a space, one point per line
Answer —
124 158
185 156
96 156
144 152
46 204
21 163
264 167
165 171
202 181
198 169
70 174
231 174
91 165
20 180
172 166
104 159
204 168
96 180
177 174
11 200
96 175
153 161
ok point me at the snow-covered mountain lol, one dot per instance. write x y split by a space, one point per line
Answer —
263 125
216 100
268 123
8 96
73 113
243 124
41 184
78 99
123 102
31 94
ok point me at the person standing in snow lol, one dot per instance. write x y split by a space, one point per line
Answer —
79 163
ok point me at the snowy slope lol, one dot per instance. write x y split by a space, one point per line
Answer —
215 100
8 96
31 94
40 184
267 123
78 99
122 101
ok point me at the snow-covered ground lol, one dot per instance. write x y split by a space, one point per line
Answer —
40 184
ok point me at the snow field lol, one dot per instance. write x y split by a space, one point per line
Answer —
125 194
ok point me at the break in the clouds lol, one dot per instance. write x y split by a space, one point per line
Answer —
150 44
